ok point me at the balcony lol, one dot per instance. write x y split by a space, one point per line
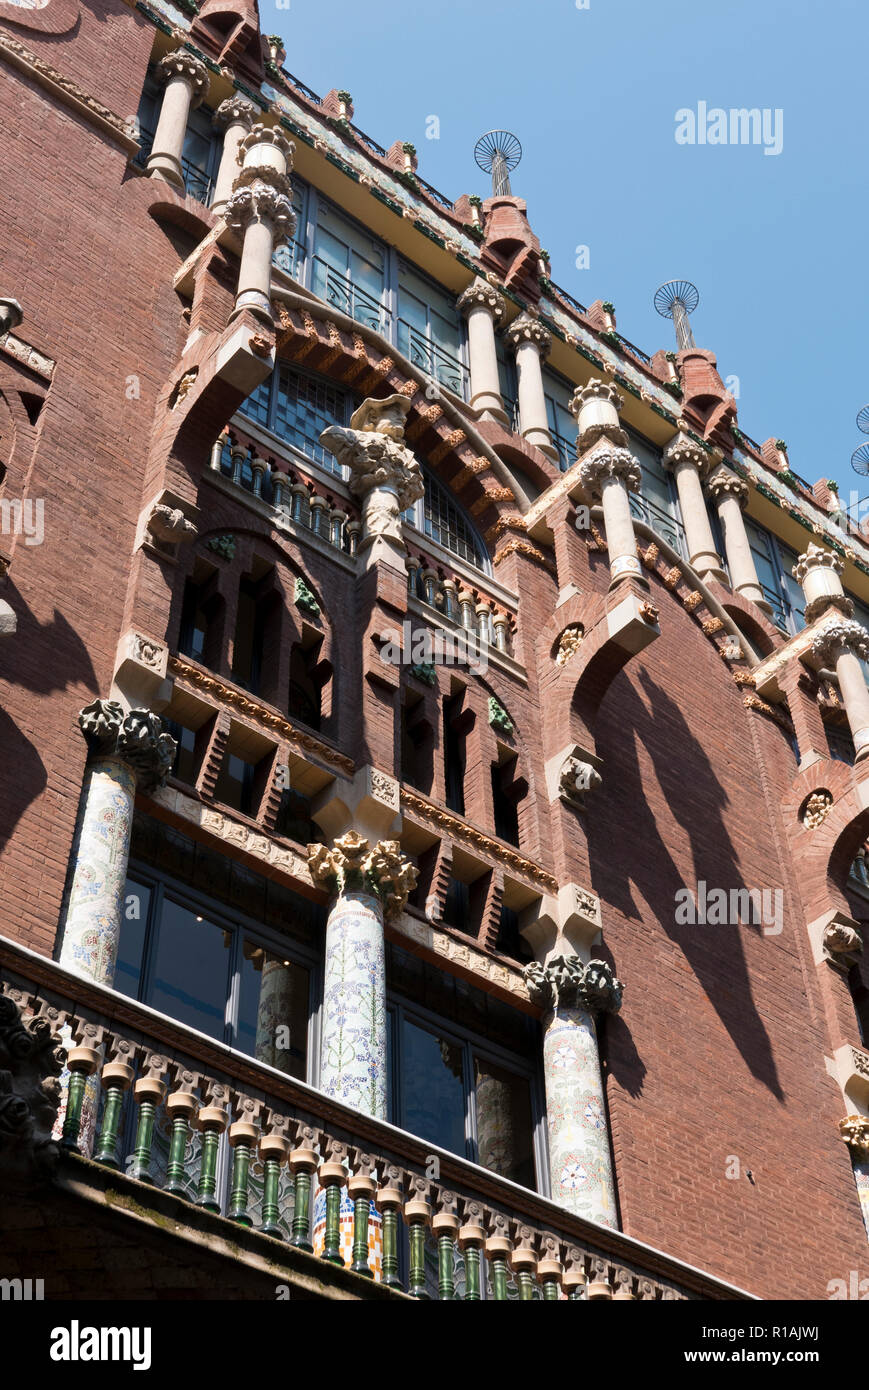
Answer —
193 1137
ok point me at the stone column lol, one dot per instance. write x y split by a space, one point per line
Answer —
261 209
730 495
383 473
127 751
185 80
580 1165
369 883
855 1132
818 572
235 117
484 309
611 473
840 646
531 341
689 464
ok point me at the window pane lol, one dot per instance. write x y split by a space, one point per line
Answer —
504 1123
446 525
304 409
273 1010
191 969
134 924
433 1092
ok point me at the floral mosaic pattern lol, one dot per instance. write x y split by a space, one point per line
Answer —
353 1056
581 1168
93 919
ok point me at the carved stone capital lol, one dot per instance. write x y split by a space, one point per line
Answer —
235 111
267 135
816 557
596 390
527 329
610 461
723 483
828 643
31 1060
383 471
854 1130
481 295
261 201
566 980
181 64
682 449
136 738
352 865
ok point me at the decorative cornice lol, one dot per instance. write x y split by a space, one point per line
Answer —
352 865
225 694
565 980
136 739
457 829
68 92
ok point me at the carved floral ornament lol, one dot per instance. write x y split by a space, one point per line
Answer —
816 809
351 865
610 461
569 643
184 65
565 980
596 390
169 524
136 738
527 329
373 450
682 449
817 557
481 295
31 1060
576 779
854 1130
235 111
265 203
829 642
723 483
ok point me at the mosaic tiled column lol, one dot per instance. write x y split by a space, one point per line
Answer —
370 884
275 1009
573 994
855 1132
126 751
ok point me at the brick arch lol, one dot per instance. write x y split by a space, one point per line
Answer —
824 855
484 486
760 631
17 434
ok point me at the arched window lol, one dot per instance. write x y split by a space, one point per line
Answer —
440 517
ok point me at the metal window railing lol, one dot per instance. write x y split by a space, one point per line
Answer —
350 298
435 361
197 181
663 522
290 257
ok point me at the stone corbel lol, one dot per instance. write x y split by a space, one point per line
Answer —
633 623
165 523
572 773
140 677
369 803
849 1066
837 940
568 923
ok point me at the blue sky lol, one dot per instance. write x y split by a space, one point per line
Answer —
775 243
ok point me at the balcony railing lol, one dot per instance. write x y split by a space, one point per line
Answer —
661 521
435 361
215 1128
290 257
351 299
197 182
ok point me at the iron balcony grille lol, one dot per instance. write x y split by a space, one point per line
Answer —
197 181
435 361
290 257
344 294
663 523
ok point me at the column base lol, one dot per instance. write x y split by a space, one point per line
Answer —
165 166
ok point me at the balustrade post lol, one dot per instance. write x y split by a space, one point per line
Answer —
242 1136
303 1165
417 1215
445 1228
148 1093
550 1271
498 1248
472 1237
361 1188
574 1281
390 1196
274 1146
332 1176
211 1121
116 1079
523 1261
82 1060
181 1106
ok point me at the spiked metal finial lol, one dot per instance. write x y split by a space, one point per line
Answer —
676 300
496 153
